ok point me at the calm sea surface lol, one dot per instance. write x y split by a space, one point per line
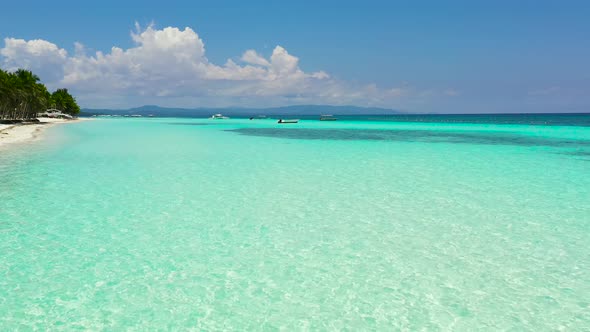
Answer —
387 223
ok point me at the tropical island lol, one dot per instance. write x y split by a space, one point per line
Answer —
26 105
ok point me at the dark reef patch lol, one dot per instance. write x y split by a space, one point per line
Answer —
425 136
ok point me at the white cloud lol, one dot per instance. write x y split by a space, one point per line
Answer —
283 63
43 57
171 63
251 57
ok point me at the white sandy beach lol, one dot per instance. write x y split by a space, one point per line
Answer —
21 133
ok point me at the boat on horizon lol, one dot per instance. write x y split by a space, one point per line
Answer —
218 116
288 121
327 117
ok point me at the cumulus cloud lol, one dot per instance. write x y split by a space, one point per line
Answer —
172 63
41 56
251 57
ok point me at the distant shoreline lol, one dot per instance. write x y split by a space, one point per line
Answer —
14 134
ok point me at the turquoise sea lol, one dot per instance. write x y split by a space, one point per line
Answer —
430 223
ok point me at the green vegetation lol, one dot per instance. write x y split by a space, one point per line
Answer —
22 96
64 101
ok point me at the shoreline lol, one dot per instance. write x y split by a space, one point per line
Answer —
14 134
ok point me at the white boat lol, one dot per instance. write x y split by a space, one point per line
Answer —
288 121
327 117
219 116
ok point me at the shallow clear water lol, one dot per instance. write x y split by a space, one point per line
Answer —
250 225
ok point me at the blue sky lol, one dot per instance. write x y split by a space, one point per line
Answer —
418 56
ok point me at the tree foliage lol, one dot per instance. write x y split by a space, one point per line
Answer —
62 100
22 96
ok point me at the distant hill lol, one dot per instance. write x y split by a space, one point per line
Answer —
235 111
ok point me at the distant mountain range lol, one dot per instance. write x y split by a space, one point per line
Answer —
235 111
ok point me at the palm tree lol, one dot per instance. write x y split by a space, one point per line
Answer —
22 96
33 93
